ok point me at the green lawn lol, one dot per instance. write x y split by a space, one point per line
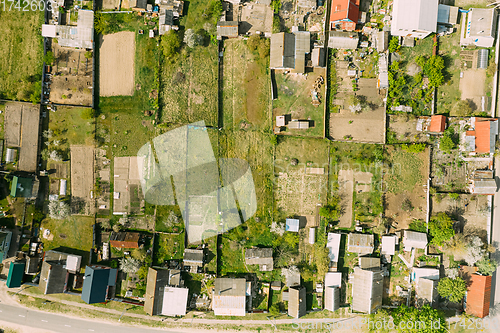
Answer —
449 92
247 87
406 173
169 219
21 53
68 125
168 246
232 257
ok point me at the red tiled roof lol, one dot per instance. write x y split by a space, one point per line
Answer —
345 10
470 133
478 296
438 124
482 136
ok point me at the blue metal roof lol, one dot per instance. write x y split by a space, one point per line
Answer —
96 282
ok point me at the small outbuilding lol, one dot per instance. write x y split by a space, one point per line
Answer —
292 225
413 239
360 243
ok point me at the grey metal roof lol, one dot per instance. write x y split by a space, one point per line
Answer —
260 256
52 277
485 186
360 243
282 50
96 281
343 40
369 262
229 297
297 302
193 257
159 285
227 28
367 290
332 298
426 292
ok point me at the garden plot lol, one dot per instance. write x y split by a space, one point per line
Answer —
406 181
103 188
473 89
299 192
82 180
246 87
448 93
256 17
22 123
71 81
403 128
116 65
471 211
367 125
295 100
127 195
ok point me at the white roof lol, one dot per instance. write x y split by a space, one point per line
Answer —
333 279
411 15
333 245
292 225
49 30
174 301
62 187
428 273
388 245
413 239
73 263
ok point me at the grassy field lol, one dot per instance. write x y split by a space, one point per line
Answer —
21 53
298 192
255 148
74 232
449 92
405 171
166 224
69 126
189 91
168 246
294 97
247 87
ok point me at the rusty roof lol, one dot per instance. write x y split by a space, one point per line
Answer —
478 296
345 10
438 124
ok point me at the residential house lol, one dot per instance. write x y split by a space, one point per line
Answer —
194 259
413 239
97 284
424 273
16 274
438 124
229 297
360 243
260 256
288 50
414 18
343 40
292 225
483 182
367 289
389 245
479 27
163 296
56 269
297 302
477 298
345 15
426 292
333 246
482 139
79 36
382 38
124 239
5 239
227 29
333 283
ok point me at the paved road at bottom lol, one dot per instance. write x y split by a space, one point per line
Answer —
62 324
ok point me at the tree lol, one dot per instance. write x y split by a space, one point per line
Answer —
276 24
331 212
171 42
276 5
48 58
425 320
88 54
139 254
486 266
452 289
117 227
58 209
394 44
475 251
447 143
461 109
192 39
129 265
434 70
441 228
87 113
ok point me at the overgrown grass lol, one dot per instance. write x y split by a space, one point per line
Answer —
21 53
166 224
406 172
449 93
168 246
67 124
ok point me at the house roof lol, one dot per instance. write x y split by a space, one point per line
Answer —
260 256
478 296
484 186
282 50
369 262
426 292
21 187
96 281
32 264
16 274
389 245
229 297
345 10
332 298
419 15
413 239
438 124
174 301
227 28
292 225
193 256
124 239
297 302
485 132
360 243
333 279
367 290
162 299
53 277
481 22
343 40
333 245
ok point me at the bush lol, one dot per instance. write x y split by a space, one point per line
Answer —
461 109
441 228
406 205
48 58
87 113
418 225
394 44
192 39
486 266
452 289
276 24
170 42
414 148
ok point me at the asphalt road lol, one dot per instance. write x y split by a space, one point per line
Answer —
62 324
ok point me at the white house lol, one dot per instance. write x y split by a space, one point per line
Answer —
414 18
413 239
333 245
479 27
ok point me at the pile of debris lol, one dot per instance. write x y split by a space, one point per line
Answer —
316 101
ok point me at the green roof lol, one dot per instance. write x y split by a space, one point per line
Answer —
21 187
16 273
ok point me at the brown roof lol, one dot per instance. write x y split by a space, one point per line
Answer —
129 240
478 296
438 124
345 11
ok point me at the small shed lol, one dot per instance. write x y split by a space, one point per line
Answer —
312 235
227 29
297 302
10 155
62 187
360 243
413 239
477 301
280 121
428 273
333 245
292 225
389 245
151 33
369 262
438 124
